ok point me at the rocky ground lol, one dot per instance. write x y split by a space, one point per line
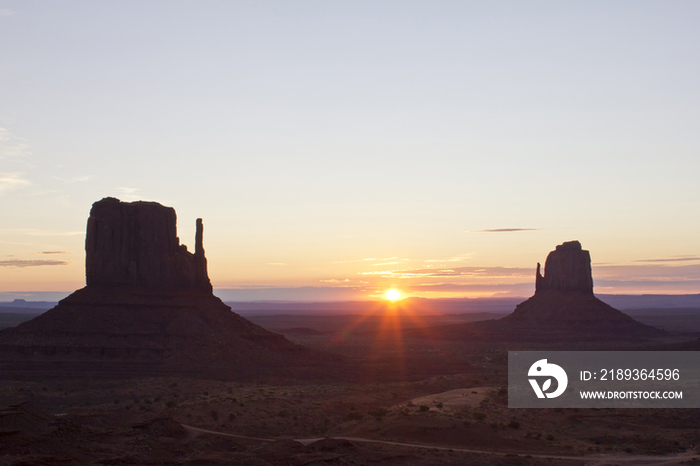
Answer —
141 421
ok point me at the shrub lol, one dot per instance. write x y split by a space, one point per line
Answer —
439 405
354 416
479 416
514 424
550 437
423 408
378 413
466 423
214 415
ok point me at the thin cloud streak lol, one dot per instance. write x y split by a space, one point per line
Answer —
475 272
31 263
677 259
503 230
32 232
11 146
11 181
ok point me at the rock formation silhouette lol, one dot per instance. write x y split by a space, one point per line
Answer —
135 244
564 302
568 268
147 308
563 309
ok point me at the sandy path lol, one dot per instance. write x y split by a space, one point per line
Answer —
589 460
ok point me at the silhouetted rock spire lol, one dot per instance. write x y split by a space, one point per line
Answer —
135 244
567 268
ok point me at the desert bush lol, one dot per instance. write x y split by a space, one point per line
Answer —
550 437
439 405
378 413
354 416
423 408
231 417
170 404
514 424
479 416
466 423
214 414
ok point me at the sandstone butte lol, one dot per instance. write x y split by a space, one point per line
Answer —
564 303
563 309
147 308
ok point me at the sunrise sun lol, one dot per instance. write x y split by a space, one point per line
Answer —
393 295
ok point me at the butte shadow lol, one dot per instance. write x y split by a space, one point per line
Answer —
562 309
148 309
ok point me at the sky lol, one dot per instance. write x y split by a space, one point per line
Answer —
336 149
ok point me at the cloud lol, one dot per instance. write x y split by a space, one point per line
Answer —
503 230
11 181
457 287
74 180
460 258
673 259
5 12
32 232
31 263
128 194
369 259
12 146
466 272
55 252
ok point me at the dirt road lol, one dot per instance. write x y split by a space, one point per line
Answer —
588 460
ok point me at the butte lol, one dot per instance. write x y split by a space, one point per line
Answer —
563 309
147 309
564 302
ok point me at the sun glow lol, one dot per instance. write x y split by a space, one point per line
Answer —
393 295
